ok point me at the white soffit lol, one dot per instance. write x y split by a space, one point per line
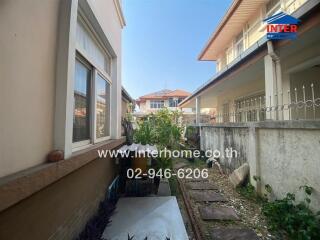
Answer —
232 23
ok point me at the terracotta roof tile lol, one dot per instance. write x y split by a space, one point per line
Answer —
163 94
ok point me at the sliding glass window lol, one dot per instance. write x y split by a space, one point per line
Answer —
92 81
102 107
81 112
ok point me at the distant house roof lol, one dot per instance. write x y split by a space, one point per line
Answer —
164 94
281 18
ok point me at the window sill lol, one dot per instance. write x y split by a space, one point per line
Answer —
18 186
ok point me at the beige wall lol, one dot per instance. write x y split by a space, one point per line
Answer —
28 46
27 67
229 96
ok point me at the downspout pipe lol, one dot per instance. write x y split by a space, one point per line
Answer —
278 79
271 52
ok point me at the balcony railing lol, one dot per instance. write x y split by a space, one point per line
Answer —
299 104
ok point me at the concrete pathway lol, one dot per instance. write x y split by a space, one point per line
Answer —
152 217
204 192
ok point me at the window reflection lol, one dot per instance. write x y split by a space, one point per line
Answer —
81 113
102 107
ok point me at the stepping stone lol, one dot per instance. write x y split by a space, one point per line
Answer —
218 213
180 165
164 188
201 186
207 196
234 234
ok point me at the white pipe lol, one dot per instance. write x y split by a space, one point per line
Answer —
278 76
271 52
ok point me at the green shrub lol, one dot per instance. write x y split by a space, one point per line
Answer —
297 220
161 129
248 191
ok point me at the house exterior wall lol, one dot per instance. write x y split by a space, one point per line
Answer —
29 47
60 211
28 55
284 153
50 200
230 95
254 30
145 106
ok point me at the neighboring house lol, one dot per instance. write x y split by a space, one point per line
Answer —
127 106
60 89
258 79
266 94
127 103
162 99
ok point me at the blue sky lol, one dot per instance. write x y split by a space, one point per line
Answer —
162 41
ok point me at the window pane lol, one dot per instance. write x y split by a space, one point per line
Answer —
81 113
172 102
103 107
156 104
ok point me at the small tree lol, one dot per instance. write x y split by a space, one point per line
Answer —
161 128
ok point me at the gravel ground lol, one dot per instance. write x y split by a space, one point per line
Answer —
248 210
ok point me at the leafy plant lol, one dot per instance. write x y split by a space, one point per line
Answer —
163 162
145 133
161 128
297 220
248 191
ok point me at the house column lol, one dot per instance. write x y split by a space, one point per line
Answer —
273 84
198 109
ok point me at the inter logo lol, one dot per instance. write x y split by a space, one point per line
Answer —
281 26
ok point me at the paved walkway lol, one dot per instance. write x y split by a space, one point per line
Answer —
151 217
207 196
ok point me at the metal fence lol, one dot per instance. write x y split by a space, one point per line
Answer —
298 104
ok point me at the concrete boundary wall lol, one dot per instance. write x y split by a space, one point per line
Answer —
285 154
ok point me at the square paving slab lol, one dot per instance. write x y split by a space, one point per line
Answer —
218 213
233 234
201 186
206 196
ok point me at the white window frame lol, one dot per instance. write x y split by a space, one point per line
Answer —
65 76
236 44
95 139
158 104
278 5
85 23
96 70
83 144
